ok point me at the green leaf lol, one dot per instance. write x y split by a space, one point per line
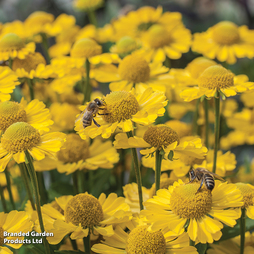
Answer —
201 248
171 155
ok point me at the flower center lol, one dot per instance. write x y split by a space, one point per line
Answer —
1 236
198 65
216 76
29 63
85 48
134 69
83 209
140 240
88 5
19 137
74 149
226 33
125 46
11 42
248 194
160 135
55 205
39 18
11 112
186 202
120 105
158 36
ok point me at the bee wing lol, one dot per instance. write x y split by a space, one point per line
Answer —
218 177
80 115
205 171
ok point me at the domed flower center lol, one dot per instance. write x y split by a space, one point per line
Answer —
248 194
226 33
125 46
160 135
140 240
198 65
84 209
1 236
29 63
11 41
85 48
134 69
74 149
55 205
87 5
158 36
120 105
186 202
216 77
11 112
19 137
39 18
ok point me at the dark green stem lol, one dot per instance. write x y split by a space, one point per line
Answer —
216 129
167 62
242 230
74 244
87 244
31 88
158 161
92 18
10 62
91 180
87 89
206 123
3 199
82 184
25 177
75 182
8 181
195 119
35 185
45 47
42 188
137 172
192 243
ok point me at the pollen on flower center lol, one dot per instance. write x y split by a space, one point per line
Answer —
186 202
84 209
11 112
160 135
120 105
226 33
140 240
134 69
1 236
19 137
248 194
11 41
74 149
158 36
216 76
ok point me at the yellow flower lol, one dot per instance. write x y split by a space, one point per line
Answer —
11 46
121 110
140 239
87 5
84 212
217 78
225 41
13 222
204 210
21 137
247 99
34 113
8 81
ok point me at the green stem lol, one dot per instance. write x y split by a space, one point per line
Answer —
10 62
82 184
242 230
74 244
35 185
192 243
137 172
45 47
87 89
206 123
87 243
25 177
3 199
90 180
8 181
42 188
167 62
92 18
75 182
31 88
216 129
158 161
195 119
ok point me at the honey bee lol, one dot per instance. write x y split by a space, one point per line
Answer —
206 177
90 112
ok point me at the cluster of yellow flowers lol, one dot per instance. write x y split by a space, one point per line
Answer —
93 122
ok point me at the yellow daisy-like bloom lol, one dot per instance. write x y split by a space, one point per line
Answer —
121 110
76 154
217 78
203 211
248 198
247 99
140 239
225 162
21 137
166 41
225 41
87 5
133 70
34 113
8 82
84 212
10 223
33 66
11 46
